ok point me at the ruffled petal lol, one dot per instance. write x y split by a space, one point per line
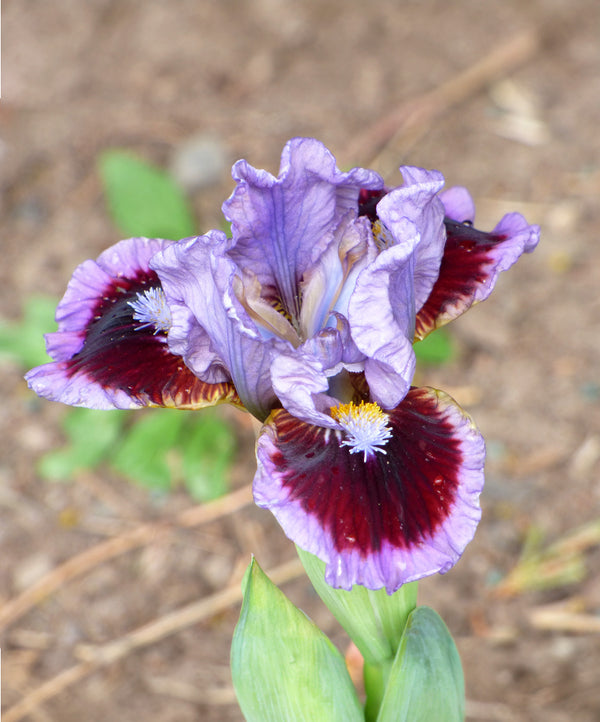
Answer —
210 329
327 286
414 209
311 379
282 225
409 229
470 266
393 518
106 358
302 386
382 316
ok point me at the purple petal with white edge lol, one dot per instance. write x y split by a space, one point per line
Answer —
210 329
470 266
282 225
382 316
105 356
415 206
393 518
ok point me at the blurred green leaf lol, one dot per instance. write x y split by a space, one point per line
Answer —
558 565
284 668
90 435
207 446
426 681
226 227
155 450
23 341
435 349
143 453
144 200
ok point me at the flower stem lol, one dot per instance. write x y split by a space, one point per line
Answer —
393 619
376 678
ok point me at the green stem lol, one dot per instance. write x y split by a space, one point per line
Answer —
393 611
376 678
393 619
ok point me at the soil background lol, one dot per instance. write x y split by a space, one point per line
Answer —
81 77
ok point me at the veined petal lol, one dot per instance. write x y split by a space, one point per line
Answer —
414 209
382 521
470 266
211 330
409 231
382 315
109 351
327 286
282 225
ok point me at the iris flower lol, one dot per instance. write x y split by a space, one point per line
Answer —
306 316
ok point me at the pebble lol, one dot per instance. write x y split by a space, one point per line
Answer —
199 162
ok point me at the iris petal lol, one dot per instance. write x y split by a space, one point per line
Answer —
211 329
391 519
470 266
282 225
415 210
458 204
381 314
104 357
409 231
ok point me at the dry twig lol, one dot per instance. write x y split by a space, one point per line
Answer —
103 655
100 553
411 119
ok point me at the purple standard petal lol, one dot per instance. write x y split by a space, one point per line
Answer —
415 207
409 231
382 317
458 204
402 512
210 328
470 266
110 349
282 225
328 285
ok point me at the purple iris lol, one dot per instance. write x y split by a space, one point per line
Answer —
307 317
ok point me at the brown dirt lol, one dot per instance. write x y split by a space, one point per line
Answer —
82 77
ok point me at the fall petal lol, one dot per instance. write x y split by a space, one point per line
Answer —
387 520
104 356
470 266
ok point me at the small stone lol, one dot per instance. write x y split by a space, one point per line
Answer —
199 162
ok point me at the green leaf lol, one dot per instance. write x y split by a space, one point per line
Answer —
374 620
23 341
284 668
426 680
142 455
91 434
435 349
207 447
144 200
